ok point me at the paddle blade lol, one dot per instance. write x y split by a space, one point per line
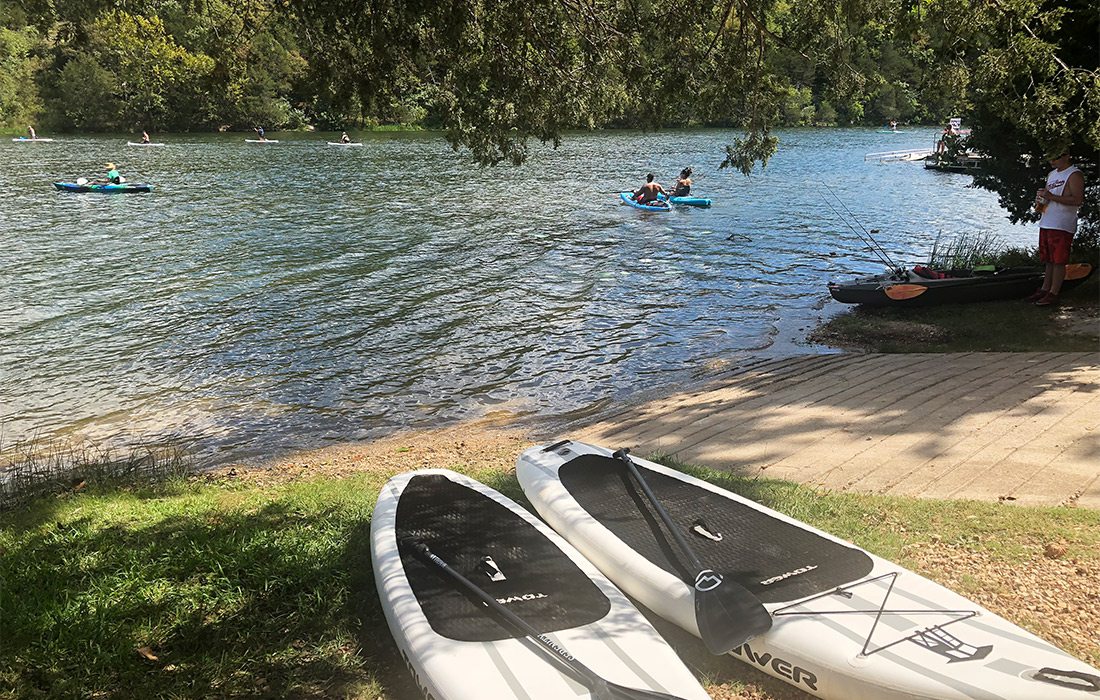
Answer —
898 292
1078 271
728 614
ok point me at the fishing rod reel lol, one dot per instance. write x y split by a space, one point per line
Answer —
899 274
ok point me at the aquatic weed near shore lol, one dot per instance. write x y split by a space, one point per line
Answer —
964 251
39 467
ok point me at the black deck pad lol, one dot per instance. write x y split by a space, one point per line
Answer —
541 584
755 547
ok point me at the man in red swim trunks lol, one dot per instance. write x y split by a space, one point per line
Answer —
648 192
1059 200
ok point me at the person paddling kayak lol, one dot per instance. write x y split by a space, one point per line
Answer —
649 192
113 176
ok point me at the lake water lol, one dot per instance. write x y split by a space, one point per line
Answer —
271 297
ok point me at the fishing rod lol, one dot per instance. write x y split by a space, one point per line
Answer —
865 236
883 258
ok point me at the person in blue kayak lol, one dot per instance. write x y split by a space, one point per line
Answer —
344 138
260 133
113 176
649 192
683 184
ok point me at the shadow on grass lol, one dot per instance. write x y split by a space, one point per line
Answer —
236 593
242 591
249 603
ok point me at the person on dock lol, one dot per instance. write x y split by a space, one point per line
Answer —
1059 201
344 138
649 192
683 184
945 135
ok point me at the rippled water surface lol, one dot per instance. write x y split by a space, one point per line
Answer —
266 297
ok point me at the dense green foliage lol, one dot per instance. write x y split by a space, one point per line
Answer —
480 67
495 73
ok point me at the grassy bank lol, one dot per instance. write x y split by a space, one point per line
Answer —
261 586
999 326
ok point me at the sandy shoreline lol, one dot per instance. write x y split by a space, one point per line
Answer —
485 443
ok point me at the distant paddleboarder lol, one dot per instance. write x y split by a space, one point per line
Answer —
344 138
260 133
145 137
34 136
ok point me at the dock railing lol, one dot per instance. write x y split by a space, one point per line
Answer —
907 154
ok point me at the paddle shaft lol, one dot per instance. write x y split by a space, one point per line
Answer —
681 542
600 686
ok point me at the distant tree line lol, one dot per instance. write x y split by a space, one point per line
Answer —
202 64
495 73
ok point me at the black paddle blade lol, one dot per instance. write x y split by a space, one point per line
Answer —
606 690
728 614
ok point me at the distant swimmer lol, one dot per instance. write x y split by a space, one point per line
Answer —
649 191
344 138
683 184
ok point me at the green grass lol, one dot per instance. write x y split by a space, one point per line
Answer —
244 591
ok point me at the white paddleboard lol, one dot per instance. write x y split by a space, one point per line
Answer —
345 145
455 647
259 141
847 625
23 139
137 143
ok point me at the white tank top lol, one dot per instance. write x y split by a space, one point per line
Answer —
1060 216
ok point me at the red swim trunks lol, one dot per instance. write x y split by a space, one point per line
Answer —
1054 245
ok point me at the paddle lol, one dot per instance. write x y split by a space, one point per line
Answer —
1078 271
601 689
727 613
897 292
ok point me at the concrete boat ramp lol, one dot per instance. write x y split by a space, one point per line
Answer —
1021 427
